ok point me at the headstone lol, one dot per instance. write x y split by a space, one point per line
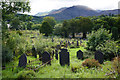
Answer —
46 58
58 47
56 54
40 55
77 43
52 40
79 54
69 43
99 56
34 53
64 57
22 61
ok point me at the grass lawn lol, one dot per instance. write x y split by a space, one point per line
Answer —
57 71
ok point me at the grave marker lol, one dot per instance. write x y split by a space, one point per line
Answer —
22 61
99 56
79 54
64 57
46 58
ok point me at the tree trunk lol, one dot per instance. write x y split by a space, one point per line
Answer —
73 35
84 35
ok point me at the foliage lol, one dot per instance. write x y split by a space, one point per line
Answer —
116 64
46 28
58 30
109 49
97 37
26 74
50 20
7 54
91 63
115 33
36 26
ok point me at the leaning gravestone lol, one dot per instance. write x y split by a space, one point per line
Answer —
34 53
46 58
64 57
99 56
79 54
56 54
22 61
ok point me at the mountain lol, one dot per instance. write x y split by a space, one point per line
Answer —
76 11
42 14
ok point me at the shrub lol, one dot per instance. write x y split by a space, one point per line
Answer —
26 74
19 32
7 54
91 63
116 64
97 37
109 49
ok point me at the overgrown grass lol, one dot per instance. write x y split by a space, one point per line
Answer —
57 71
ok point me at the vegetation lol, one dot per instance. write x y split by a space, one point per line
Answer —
88 34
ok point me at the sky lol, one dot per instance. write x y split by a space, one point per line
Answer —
48 5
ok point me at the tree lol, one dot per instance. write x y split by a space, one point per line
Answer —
73 27
46 28
65 30
36 26
115 33
50 20
11 8
58 29
85 25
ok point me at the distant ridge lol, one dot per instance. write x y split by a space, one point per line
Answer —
76 11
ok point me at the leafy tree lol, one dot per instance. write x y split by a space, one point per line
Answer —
85 25
115 33
73 27
46 28
58 29
65 31
29 25
36 26
50 20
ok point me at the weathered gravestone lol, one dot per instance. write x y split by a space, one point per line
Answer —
46 58
99 56
77 43
64 57
79 54
34 53
40 55
56 54
22 61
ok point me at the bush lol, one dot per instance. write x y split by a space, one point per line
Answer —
7 54
97 37
116 64
109 49
26 74
19 32
91 63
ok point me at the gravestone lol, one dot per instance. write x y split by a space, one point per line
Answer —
64 57
52 40
77 43
99 56
56 54
46 58
34 53
22 61
58 47
40 55
69 43
79 54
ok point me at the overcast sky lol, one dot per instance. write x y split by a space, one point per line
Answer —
48 5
